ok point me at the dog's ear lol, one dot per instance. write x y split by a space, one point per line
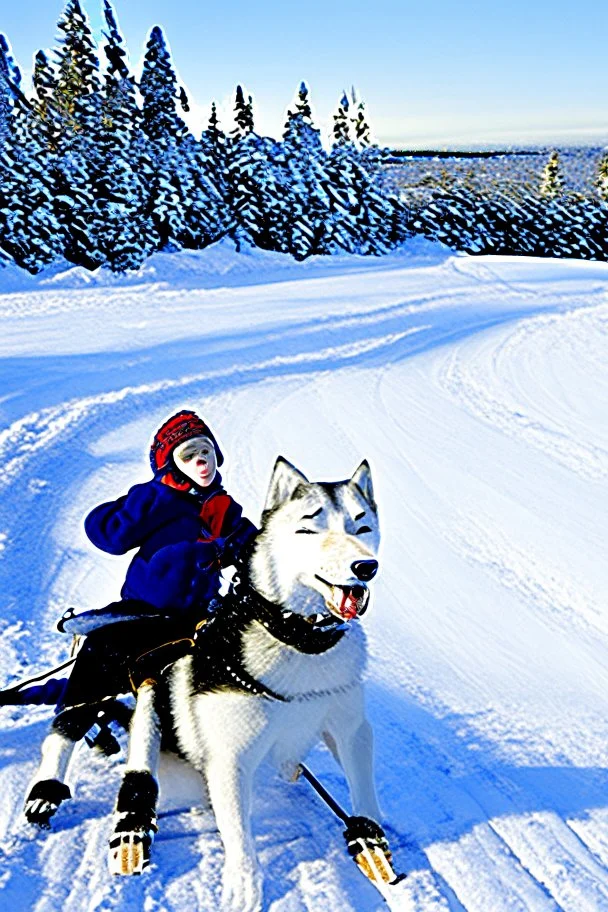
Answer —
284 481
362 480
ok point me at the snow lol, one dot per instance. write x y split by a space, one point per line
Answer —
478 390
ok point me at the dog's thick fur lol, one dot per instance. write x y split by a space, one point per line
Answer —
315 538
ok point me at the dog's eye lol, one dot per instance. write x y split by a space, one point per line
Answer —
362 530
306 532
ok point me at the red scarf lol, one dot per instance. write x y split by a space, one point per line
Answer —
213 509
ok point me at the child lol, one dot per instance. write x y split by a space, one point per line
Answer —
185 527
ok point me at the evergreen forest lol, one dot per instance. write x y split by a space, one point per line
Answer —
100 168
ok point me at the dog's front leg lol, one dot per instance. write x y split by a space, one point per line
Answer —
135 814
229 781
349 736
48 789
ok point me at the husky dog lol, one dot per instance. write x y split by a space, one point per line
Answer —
276 669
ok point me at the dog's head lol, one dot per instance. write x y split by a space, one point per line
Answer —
317 551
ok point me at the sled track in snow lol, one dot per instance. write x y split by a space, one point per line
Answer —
481 416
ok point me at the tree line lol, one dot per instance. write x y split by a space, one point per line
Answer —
547 221
101 169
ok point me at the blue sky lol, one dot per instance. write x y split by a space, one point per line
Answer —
440 72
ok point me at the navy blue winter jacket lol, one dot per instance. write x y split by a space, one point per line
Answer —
183 539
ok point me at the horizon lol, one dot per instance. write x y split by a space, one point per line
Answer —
494 96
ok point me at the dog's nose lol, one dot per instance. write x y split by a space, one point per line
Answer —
364 569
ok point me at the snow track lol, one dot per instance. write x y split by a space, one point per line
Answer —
478 390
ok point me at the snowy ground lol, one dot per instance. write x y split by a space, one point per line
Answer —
478 390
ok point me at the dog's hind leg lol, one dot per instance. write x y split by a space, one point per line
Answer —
229 780
349 736
48 789
135 812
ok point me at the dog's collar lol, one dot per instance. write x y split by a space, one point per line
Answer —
219 641
290 628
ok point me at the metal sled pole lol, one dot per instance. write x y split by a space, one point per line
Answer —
372 859
329 800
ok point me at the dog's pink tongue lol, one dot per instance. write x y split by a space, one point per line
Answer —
348 606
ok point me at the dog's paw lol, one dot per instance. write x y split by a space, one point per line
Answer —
43 800
366 829
241 889
369 848
130 844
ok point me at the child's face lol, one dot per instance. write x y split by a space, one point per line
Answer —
196 459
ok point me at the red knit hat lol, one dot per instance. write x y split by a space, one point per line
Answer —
180 427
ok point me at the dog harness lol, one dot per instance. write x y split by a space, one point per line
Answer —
218 643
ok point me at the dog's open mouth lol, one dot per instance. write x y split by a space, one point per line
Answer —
345 602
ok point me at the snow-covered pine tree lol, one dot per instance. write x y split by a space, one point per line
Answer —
243 115
494 218
215 132
361 131
601 179
213 144
585 220
29 231
382 200
77 94
343 228
302 106
206 216
344 224
552 182
568 227
520 227
596 229
74 160
304 161
341 126
184 201
170 180
556 237
364 217
256 187
10 81
10 68
123 232
454 219
48 119
300 133
158 86
399 229
449 218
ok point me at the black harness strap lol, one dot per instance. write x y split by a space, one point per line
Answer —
218 661
218 664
